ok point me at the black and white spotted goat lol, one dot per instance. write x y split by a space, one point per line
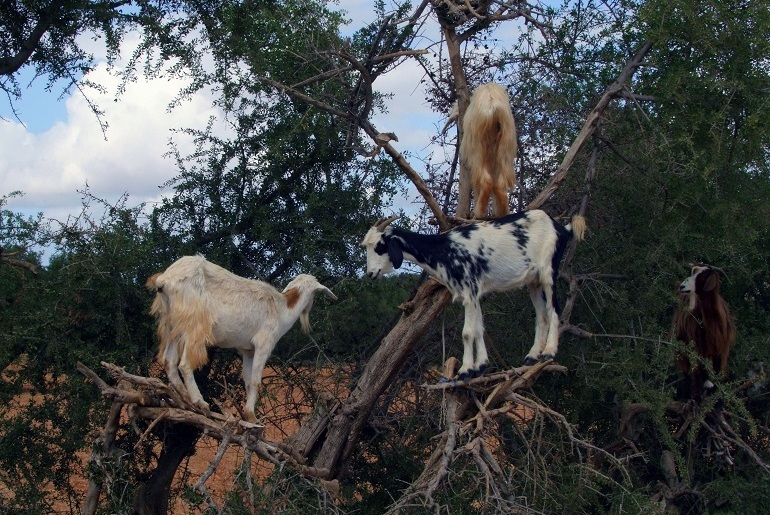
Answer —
499 255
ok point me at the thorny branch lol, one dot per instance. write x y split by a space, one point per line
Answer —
708 426
473 410
590 125
151 400
9 258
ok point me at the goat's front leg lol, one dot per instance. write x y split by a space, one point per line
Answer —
537 295
263 346
472 311
482 360
246 373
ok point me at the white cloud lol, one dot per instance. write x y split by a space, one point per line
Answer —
51 166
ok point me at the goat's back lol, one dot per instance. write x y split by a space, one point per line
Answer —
511 251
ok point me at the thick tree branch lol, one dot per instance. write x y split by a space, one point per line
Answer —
590 126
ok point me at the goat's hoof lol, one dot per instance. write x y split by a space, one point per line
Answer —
529 361
546 357
463 376
482 368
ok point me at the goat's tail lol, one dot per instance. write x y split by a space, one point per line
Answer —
489 144
160 310
506 148
578 227
184 319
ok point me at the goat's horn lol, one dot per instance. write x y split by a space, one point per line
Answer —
382 224
721 271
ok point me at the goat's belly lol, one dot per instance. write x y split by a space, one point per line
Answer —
509 278
233 340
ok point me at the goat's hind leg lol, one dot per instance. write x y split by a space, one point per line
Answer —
485 187
171 359
500 199
552 338
192 387
537 295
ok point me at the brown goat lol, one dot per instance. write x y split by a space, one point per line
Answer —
703 320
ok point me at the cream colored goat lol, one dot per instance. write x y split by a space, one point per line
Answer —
488 147
199 304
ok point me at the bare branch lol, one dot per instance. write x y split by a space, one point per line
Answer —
590 126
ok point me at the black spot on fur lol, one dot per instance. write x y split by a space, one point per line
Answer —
509 219
521 235
439 251
466 230
382 246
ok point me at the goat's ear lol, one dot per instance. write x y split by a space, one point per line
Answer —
712 281
327 292
395 253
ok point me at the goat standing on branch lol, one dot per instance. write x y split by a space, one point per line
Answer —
499 255
199 304
703 320
488 147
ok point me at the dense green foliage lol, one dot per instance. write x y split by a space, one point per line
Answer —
682 174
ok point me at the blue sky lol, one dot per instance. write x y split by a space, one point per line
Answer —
56 147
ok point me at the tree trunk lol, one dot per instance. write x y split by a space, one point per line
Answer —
346 422
463 99
91 501
151 498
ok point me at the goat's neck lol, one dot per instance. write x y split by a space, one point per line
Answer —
294 307
706 307
425 250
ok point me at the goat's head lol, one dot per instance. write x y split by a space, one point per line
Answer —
302 290
703 279
383 252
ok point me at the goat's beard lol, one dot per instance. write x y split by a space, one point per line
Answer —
690 301
304 320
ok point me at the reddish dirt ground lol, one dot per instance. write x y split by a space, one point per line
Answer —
281 408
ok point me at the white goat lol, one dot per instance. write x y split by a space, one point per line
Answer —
199 304
488 147
510 252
